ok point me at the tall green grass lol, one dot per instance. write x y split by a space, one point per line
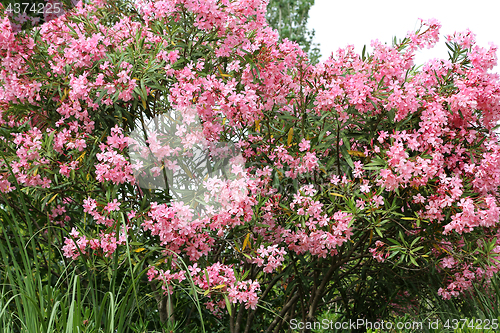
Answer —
40 291
65 297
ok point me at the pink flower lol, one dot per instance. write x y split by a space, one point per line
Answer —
173 56
365 188
378 200
382 136
304 145
419 198
360 203
64 170
113 206
335 179
448 262
358 169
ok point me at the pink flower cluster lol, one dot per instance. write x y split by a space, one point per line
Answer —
72 250
169 223
378 251
90 206
322 234
28 146
114 167
216 281
272 254
221 279
78 244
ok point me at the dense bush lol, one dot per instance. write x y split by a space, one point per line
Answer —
362 181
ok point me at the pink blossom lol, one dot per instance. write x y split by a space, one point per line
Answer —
113 206
304 145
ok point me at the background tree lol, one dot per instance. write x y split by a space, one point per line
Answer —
290 18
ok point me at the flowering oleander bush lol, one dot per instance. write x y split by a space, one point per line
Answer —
354 179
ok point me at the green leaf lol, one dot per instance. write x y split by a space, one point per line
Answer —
393 254
394 241
413 260
228 304
206 276
346 156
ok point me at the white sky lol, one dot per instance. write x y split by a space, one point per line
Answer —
341 22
